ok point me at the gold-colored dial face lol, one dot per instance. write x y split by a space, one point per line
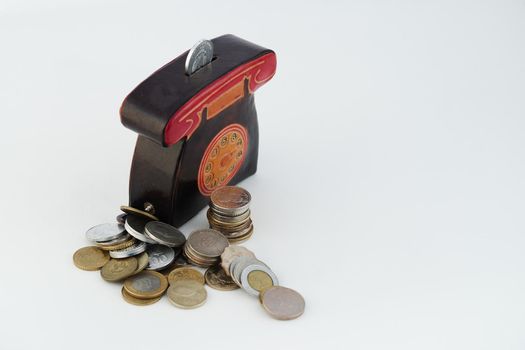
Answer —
223 158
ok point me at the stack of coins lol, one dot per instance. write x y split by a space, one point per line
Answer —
144 288
204 247
229 213
186 289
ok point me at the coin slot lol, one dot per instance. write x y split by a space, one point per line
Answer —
206 65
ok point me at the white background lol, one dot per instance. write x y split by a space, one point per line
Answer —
391 183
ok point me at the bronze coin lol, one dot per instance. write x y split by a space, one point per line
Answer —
218 279
134 211
182 273
187 294
136 301
230 198
118 269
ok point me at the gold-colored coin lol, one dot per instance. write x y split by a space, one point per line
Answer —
218 279
146 285
90 258
187 294
259 280
136 301
185 273
243 238
134 211
142 262
118 246
119 269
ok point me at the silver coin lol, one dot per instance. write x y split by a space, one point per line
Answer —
164 234
133 250
228 218
231 253
160 256
231 268
115 241
255 267
282 303
208 243
230 200
105 232
243 265
238 264
200 55
236 260
135 226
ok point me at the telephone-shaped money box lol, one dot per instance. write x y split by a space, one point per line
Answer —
196 132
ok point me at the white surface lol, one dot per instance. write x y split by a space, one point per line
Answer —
390 190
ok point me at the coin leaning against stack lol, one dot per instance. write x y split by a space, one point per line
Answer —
256 278
248 272
229 213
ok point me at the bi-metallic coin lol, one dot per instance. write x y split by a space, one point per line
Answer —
256 277
146 285
137 301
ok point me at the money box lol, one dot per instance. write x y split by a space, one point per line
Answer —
197 126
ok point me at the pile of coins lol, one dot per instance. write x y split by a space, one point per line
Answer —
123 250
110 237
153 258
204 247
257 279
229 213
